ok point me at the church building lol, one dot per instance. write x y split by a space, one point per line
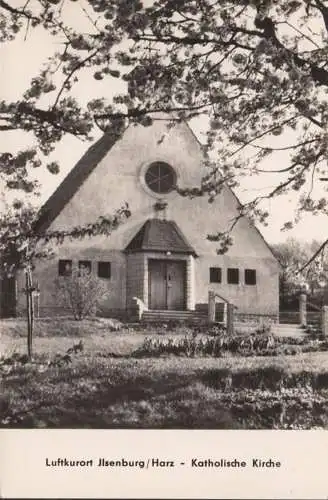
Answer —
159 257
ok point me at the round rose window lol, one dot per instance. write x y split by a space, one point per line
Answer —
160 177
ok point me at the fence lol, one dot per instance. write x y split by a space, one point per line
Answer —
228 311
318 317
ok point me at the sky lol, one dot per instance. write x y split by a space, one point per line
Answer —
21 60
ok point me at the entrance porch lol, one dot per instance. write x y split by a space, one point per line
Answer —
160 268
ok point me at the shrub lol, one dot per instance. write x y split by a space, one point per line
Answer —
314 332
214 330
81 292
193 345
264 329
247 345
267 377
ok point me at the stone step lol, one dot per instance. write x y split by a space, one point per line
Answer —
288 330
287 325
282 328
173 318
173 315
298 335
296 330
173 312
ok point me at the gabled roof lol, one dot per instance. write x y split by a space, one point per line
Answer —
160 236
80 172
74 179
256 229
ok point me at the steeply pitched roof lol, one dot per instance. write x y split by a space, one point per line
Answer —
160 236
75 178
252 225
80 172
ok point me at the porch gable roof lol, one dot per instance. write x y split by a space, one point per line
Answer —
158 235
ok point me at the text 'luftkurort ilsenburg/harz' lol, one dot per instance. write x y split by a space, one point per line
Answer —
197 463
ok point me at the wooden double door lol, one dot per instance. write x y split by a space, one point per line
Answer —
167 284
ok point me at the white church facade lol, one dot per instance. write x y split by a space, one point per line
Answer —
160 255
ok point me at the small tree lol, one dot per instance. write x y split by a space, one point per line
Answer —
300 270
81 291
22 245
18 251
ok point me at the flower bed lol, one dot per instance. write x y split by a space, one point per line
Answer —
217 346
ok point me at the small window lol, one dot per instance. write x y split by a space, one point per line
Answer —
104 270
250 277
64 267
215 275
233 276
160 177
86 265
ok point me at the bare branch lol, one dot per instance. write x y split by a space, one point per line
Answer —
20 12
302 34
69 76
266 132
319 75
314 256
139 112
285 148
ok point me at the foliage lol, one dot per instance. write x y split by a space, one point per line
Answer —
90 392
255 392
293 256
64 359
15 246
254 69
22 242
64 326
81 292
14 362
241 345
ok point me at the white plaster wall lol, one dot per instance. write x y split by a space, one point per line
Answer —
117 180
262 298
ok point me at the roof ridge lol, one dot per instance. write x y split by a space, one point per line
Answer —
75 178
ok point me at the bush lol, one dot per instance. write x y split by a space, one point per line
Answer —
241 345
72 390
191 345
267 377
81 292
314 332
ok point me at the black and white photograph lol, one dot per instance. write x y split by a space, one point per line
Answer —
163 230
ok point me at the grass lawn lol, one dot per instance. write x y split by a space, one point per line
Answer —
99 390
56 336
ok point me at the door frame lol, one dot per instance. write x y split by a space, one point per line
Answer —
183 262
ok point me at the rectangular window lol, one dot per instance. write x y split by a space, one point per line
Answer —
233 276
85 265
215 275
250 277
64 267
104 270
